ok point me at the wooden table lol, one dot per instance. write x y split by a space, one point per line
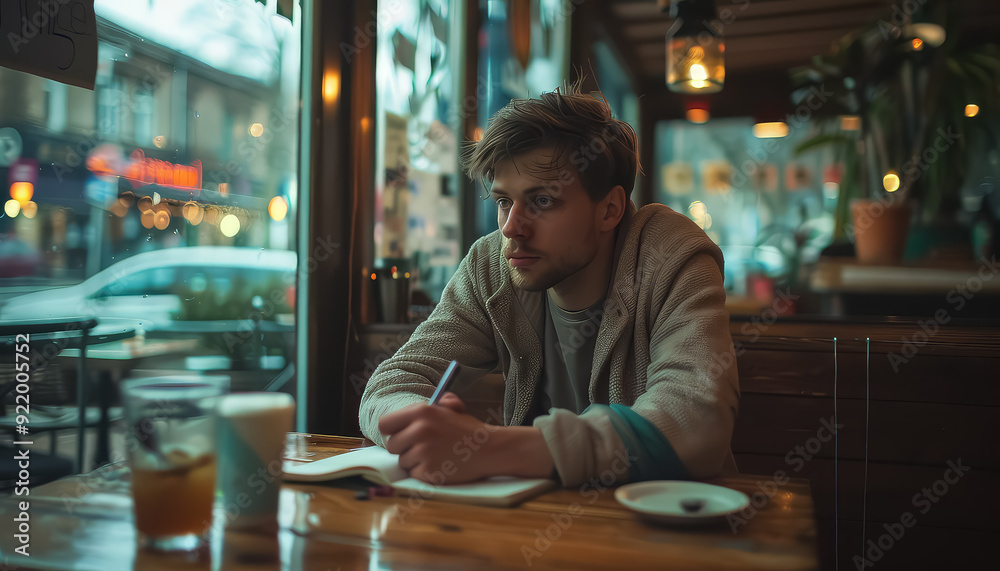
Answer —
85 522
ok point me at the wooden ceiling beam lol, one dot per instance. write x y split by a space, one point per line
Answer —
622 45
741 94
794 40
645 11
763 41
740 28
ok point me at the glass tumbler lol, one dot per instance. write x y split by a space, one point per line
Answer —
171 449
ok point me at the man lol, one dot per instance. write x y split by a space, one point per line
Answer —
609 324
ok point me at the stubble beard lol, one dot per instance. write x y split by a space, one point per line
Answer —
541 279
522 281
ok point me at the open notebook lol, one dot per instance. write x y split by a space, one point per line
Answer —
378 465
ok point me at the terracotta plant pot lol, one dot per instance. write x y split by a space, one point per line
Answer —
880 229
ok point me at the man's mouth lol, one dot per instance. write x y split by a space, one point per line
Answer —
523 262
519 260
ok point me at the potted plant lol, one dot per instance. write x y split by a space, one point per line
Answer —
896 121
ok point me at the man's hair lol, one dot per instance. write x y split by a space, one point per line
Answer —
603 150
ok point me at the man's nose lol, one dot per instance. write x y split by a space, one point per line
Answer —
518 222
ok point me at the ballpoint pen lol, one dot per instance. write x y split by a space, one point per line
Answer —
449 376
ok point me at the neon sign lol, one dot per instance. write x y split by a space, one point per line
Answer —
141 171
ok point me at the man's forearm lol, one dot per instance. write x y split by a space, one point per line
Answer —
520 451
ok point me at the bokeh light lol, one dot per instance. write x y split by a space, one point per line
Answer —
890 181
22 191
12 208
161 220
278 208
229 225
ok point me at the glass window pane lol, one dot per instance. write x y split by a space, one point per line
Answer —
417 153
164 200
543 35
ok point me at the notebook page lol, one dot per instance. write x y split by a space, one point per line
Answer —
365 462
495 491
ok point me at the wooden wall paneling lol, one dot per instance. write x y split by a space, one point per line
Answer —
919 548
891 490
925 378
915 433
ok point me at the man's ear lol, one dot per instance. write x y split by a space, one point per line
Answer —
612 209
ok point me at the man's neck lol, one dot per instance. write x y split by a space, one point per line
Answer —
586 287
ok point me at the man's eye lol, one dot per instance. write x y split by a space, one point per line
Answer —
503 203
543 201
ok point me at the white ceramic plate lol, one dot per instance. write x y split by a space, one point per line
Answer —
664 501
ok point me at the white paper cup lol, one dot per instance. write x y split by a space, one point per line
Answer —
252 428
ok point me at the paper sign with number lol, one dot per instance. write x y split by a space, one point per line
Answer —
56 39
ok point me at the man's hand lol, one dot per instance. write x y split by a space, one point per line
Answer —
443 445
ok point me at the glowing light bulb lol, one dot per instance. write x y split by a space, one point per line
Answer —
699 76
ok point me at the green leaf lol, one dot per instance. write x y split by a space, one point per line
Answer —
955 68
823 140
980 74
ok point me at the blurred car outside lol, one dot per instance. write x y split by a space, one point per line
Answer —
158 289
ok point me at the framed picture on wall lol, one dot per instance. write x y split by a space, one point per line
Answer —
678 178
716 175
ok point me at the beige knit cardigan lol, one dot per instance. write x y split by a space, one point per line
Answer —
663 348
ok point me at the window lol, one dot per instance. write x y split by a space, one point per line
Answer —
166 197
422 115
417 214
155 281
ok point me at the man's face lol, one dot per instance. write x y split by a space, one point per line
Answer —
548 221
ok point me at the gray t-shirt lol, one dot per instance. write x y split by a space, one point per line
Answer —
570 337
